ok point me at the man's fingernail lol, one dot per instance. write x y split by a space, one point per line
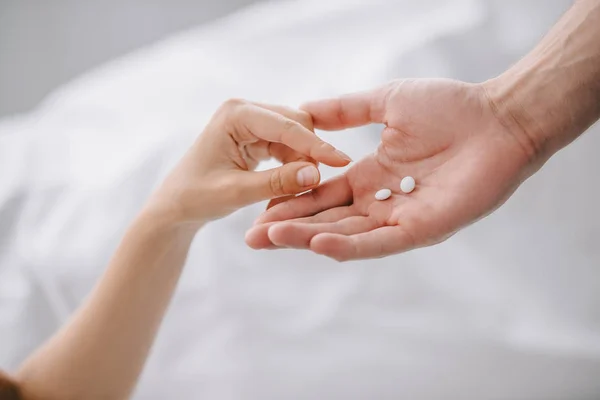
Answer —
343 155
307 176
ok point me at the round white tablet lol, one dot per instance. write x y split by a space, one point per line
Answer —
383 194
407 184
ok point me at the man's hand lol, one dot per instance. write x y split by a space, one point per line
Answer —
468 147
444 133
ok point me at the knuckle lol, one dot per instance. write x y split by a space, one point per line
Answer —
341 114
233 103
306 120
276 183
228 107
290 125
230 113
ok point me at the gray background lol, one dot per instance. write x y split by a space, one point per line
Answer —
44 43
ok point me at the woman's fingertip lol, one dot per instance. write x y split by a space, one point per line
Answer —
307 176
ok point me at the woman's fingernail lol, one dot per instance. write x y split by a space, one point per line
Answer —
343 155
307 176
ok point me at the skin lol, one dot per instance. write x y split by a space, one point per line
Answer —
100 353
469 147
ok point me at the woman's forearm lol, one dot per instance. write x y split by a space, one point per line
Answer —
553 94
100 353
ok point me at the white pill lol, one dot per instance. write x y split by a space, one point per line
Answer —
383 194
407 184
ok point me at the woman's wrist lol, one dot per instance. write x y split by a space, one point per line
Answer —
166 218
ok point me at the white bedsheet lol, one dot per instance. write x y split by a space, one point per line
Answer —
507 309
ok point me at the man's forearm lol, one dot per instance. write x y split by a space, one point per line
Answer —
552 95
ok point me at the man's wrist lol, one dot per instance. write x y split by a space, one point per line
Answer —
510 97
552 95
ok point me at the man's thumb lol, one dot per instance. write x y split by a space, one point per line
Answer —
291 178
350 110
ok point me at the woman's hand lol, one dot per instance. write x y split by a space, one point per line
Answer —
100 353
216 176
443 133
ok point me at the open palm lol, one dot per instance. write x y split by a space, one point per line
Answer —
443 133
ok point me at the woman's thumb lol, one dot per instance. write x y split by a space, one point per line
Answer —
291 178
